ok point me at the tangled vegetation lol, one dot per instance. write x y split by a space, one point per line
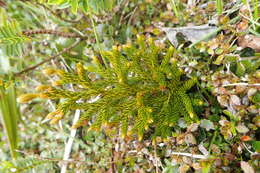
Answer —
140 83
129 86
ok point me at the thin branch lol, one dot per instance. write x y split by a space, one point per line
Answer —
52 32
2 3
132 15
241 84
195 156
113 166
85 163
69 144
155 156
97 39
251 14
56 159
47 60
251 20
239 58
247 148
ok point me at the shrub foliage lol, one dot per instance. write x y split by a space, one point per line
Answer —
135 87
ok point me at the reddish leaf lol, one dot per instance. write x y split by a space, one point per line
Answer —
249 41
245 138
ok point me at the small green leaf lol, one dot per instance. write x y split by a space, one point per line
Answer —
207 124
206 167
85 6
57 2
240 70
230 115
219 5
247 52
219 51
219 60
256 98
74 6
210 51
256 145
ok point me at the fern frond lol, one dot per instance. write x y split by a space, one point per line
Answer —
12 39
140 90
21 165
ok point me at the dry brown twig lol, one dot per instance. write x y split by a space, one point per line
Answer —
241 84
55 159
52 32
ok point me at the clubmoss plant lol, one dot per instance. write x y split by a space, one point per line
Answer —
140 90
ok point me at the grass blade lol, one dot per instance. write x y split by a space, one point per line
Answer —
175 9
219 4
256 10
9 114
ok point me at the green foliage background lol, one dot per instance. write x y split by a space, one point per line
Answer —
165 108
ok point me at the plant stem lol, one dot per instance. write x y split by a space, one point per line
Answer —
155 156
175 9
195 156
97 39
241 84
52 32
47 60
70 142
219 4
213 139
256 10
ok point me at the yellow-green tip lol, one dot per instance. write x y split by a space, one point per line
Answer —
41 88
191 114
140 137
25 98
49 71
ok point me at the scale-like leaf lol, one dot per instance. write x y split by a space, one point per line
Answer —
12 39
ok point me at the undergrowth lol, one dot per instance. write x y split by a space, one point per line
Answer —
137 87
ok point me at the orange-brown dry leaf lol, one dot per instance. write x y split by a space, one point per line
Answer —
242 26
251 41
245 138
2 3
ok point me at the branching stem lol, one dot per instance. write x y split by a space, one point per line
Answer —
241 84
97 39
52 32
48 59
